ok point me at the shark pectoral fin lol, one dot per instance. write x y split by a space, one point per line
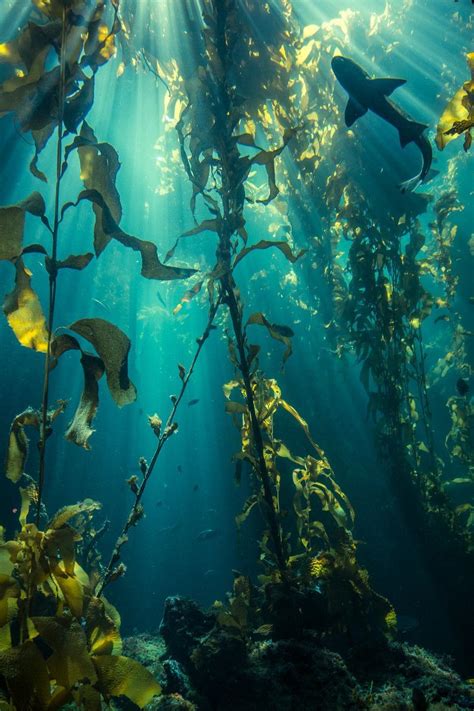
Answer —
353 111
410 131
387 86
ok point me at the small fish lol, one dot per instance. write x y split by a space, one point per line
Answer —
15 510
160 299
169 529
193 402
179 468
372 94
208 533
101 304
462 386
159 503
209 572
195 487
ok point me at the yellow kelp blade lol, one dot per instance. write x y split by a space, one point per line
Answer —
18 444
26 676
70 662
103 627
24 313
121 676
460 108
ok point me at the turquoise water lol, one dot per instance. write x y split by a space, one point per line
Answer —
192 489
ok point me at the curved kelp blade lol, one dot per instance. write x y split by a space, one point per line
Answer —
152 268
280 333
74 261
99 167
24 313
284 248
103 627
112 346
67 513
80 429
69 663
458 115
18 443
12 224
121 676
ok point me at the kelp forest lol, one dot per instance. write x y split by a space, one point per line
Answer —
235 360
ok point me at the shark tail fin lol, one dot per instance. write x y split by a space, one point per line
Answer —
388 85
408 186
410 131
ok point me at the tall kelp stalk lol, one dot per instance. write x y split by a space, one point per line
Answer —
47 599
47 101
220 107
384 271
114 568
52 262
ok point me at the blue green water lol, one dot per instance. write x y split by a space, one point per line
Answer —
192 488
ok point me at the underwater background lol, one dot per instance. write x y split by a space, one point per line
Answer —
371 300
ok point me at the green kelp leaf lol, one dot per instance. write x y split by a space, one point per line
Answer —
9 594
99 167
113 347
29 495
279 333
18 443
80 428
205 226
246 510
20 93
459 112
60 545
12 224
64 515
26 676
121 676
284 248
267 159
152 268
79 104
41 138
103 627
74 261
24 313
70 662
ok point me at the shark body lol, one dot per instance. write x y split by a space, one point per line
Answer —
366 94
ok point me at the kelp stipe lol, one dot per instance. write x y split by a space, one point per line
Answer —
377 272
46 597
218 155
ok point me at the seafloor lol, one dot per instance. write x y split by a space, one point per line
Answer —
205 667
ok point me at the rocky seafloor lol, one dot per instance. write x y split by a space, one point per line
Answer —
205 666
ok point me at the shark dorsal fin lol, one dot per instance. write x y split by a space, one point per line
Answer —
386 86
353 111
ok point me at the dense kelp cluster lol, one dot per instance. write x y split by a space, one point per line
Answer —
257 127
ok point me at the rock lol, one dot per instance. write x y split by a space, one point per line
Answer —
182 626
177 680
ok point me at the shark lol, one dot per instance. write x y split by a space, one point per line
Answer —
366 94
